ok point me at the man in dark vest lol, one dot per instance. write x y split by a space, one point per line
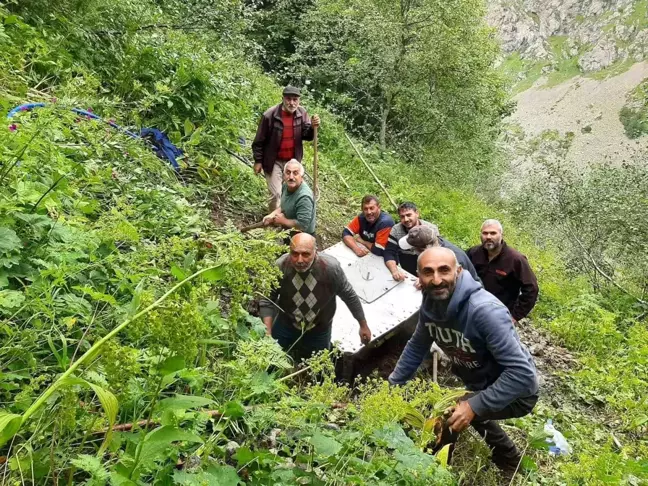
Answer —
279 139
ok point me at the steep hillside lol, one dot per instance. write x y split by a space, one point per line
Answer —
563 38
129 348
576 68
587 110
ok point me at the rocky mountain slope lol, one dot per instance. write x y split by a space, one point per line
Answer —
577 68
590 35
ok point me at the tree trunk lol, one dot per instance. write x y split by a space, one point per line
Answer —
384 114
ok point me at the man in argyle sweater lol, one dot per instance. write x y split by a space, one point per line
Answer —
299 313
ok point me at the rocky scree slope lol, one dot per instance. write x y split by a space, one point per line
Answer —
592 34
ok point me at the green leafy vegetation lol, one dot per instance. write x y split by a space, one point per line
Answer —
415 76
618 67
634 115
596 219
521 73
127 296
639 15
566 64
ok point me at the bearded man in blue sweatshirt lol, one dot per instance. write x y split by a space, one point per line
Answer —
476 331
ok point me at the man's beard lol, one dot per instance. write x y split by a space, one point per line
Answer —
444 291
305 268
492 245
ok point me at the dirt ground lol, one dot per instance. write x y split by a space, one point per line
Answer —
589 108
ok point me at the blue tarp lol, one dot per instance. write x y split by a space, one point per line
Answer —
161 145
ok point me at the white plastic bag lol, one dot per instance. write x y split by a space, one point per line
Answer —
559 445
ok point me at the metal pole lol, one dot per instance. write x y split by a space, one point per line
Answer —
435 365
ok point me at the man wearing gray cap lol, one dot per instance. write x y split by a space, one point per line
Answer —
421 237
279 139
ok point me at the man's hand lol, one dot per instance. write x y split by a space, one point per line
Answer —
364 243
360 250
461 417
281 220
269 219
258 167
365 333
398 275
315 121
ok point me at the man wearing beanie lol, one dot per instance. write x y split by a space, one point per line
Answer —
427 236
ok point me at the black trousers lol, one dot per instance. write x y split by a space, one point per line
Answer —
505 453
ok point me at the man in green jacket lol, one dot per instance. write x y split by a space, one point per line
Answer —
297 210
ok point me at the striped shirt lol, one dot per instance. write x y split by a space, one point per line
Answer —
376 233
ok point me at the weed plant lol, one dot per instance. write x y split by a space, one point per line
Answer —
94 229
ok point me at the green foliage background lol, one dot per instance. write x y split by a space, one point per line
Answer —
93 228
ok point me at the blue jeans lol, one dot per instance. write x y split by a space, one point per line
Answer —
297 345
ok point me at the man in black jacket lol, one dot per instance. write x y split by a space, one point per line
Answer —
279 139
504 271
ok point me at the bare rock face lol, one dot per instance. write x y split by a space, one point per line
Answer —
603 55
518 31
596 33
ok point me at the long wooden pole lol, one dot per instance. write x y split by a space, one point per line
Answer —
245 229
315 168
372 172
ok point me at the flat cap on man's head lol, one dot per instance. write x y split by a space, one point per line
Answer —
291 91
420 236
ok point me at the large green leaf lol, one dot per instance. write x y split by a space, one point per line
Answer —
393 436
324 445
188 127
9 425
443 455
234 409
214 476
169 434
9 240
171 365
184 402
11 299
224 475
117 479
108 402
214 274
413 459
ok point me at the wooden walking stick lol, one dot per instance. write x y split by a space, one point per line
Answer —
315 171
245 229
372 172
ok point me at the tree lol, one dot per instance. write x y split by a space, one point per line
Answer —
407 73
